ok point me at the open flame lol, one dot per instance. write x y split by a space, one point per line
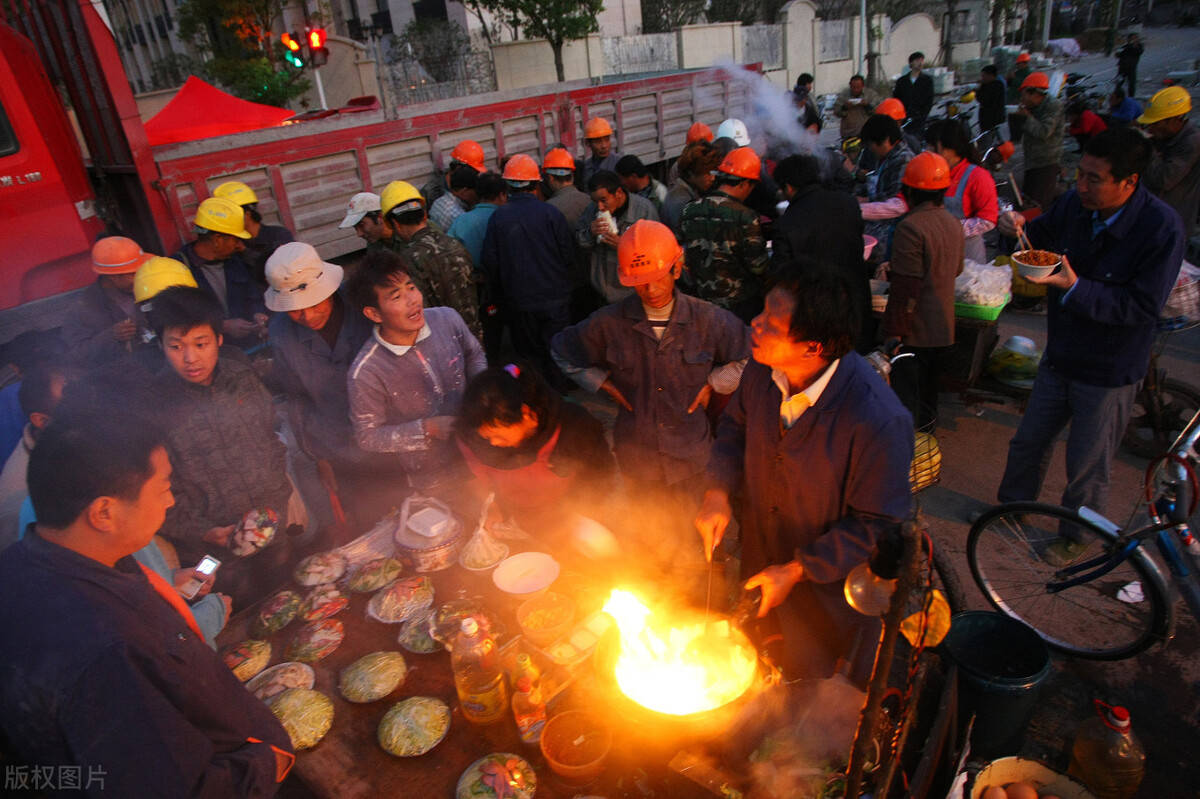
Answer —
678 668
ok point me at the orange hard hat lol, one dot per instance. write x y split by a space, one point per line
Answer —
1036 80
742 163
597 127
521 168
469 153
646 252
1023 58
891 107
699 132
1006 150
558 159
928 172
117 255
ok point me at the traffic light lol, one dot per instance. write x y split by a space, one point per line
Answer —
317 51
291 53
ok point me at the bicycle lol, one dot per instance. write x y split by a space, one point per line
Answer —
1162 405
1087 587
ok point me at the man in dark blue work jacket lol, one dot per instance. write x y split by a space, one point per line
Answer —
1122 248
107 686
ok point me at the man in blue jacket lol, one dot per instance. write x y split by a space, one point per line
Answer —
527 257
1122 248
107 682
822 448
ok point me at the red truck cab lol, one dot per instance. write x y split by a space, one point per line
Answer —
48 220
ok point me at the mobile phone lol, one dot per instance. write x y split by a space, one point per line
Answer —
207 565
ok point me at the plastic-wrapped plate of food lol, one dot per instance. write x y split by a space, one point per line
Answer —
276 613
306 715
500 775
324 567
323 601
254 532
415 634
281 677
402 600
316 641
247 658
372 677
375 574
414 726
482 552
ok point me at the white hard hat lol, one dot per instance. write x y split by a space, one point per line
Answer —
360 205
298 278
734 129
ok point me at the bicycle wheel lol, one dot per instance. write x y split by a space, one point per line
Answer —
1154 425
1010 553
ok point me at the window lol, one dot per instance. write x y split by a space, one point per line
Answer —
8 139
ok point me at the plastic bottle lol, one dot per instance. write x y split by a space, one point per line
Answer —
527 668
1106 756
478 677
529 711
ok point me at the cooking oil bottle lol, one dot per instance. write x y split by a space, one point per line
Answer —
478 676
1106 756
529 711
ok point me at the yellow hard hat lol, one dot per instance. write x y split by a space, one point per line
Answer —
400 195
157 274
222 216
969 97
1168 103
237 191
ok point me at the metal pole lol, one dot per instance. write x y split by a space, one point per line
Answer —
1046 22
862 35
320 88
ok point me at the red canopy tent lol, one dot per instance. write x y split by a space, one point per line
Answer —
200 110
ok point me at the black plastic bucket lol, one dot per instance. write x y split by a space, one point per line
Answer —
1002 664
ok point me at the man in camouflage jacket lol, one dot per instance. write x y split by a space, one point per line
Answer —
725 252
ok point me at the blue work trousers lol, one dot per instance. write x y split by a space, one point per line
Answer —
1097 415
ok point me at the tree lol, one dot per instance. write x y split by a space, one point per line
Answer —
556 21
743 11
243 53
503 16
664 16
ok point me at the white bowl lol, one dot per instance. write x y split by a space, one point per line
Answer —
526 573
1030 270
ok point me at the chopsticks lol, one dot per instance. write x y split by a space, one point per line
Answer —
1022 239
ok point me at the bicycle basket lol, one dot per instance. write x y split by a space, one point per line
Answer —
926 468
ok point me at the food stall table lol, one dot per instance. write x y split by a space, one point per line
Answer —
349 761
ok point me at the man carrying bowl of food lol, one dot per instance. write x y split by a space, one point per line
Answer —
1121 250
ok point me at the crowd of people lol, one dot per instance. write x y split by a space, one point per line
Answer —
728 334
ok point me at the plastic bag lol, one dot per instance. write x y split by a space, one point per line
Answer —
1183 304
983 284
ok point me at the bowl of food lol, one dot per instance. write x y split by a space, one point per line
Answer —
575 745
546 618
1036 263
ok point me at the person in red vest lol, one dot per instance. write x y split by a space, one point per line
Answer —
114 687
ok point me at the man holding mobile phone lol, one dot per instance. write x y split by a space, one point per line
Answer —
107 646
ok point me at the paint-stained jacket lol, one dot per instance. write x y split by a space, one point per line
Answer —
391 394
